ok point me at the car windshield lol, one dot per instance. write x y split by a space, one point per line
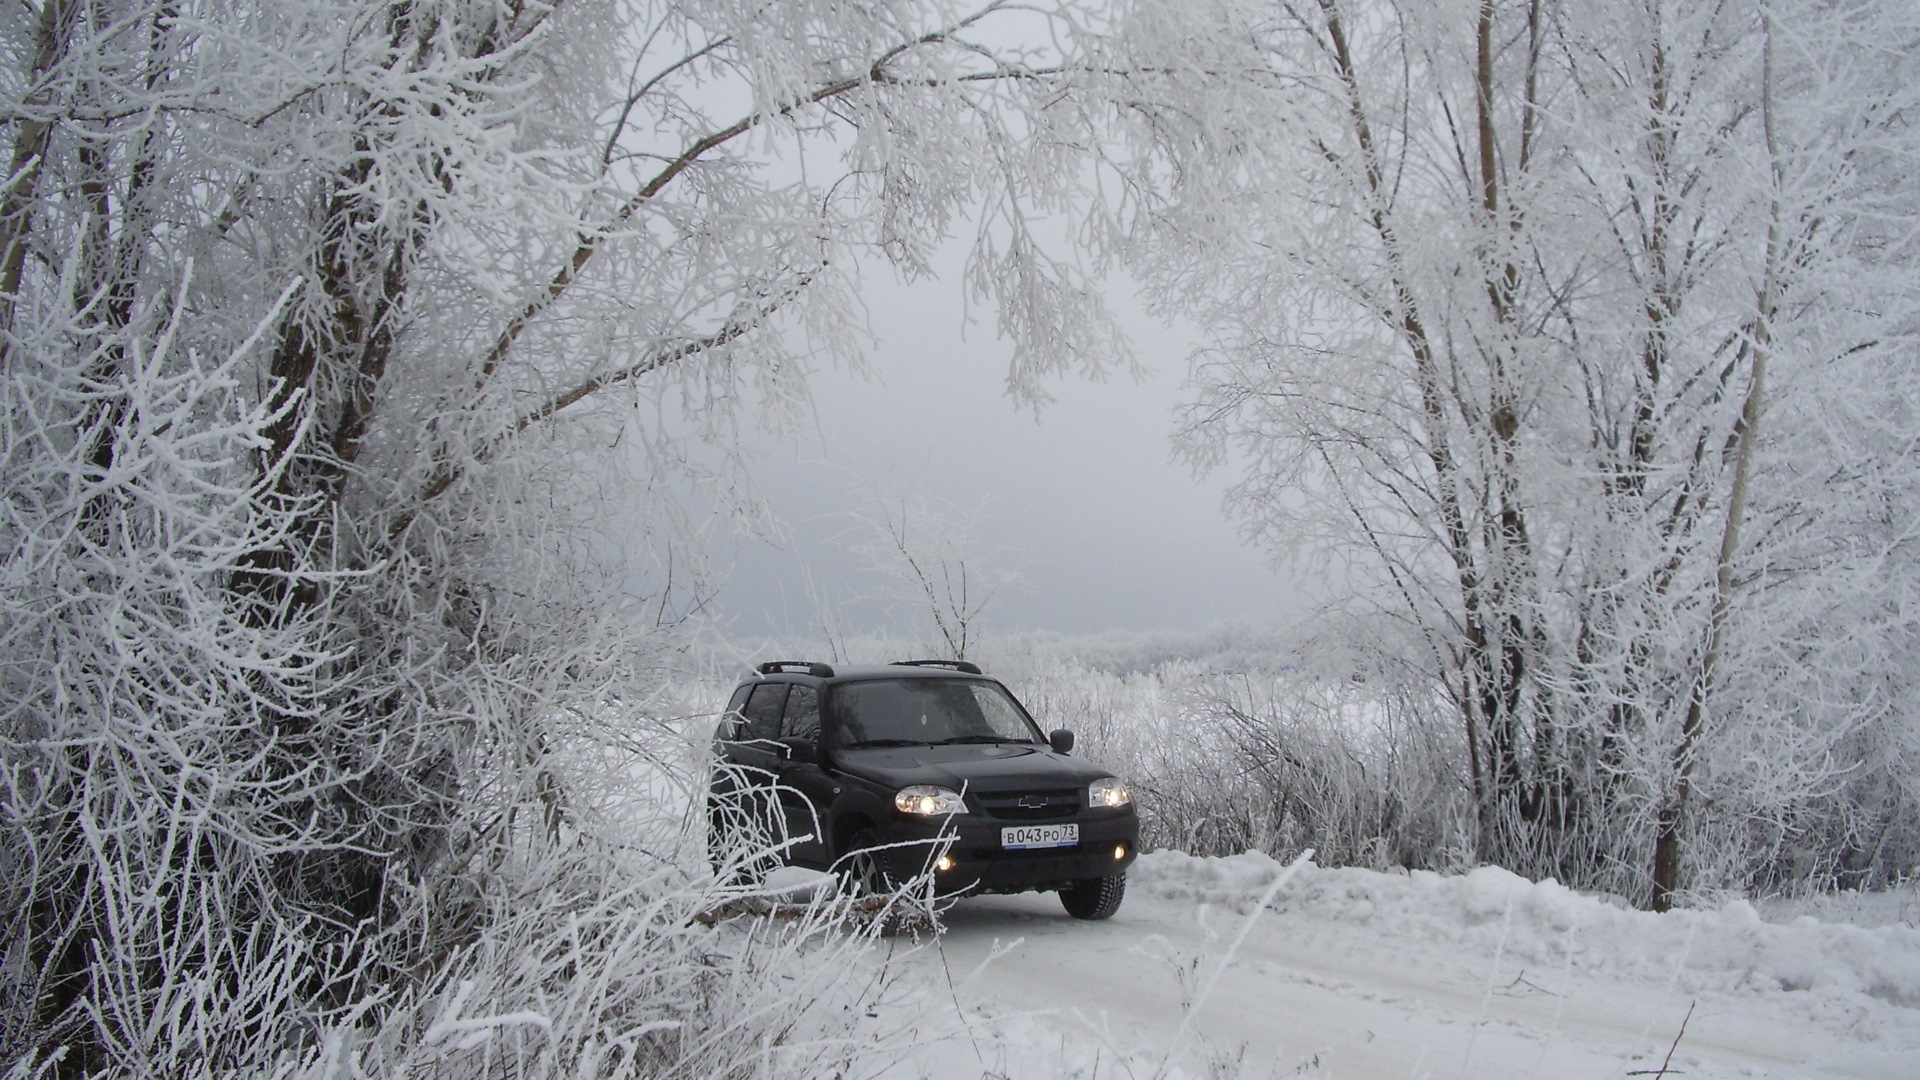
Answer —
918 712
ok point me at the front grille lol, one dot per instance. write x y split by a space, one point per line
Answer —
1031 805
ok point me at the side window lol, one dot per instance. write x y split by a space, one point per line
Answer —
763 711
803 714
731 720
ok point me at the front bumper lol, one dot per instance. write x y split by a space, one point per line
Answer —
966 855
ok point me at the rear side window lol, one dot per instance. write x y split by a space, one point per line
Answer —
763 712
803 714
731 720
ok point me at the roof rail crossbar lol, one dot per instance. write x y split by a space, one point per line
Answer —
967 666
811 667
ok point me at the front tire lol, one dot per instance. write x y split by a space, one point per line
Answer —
1094 898
866 871
874 889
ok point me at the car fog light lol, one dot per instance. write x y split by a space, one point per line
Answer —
1119 852
944 863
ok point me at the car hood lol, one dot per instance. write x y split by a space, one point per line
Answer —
973 767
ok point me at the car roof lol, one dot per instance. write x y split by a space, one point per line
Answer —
826 673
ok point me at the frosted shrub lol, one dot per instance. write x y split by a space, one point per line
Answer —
176 799
598 954
1227 762
1317 764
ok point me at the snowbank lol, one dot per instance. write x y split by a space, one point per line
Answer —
1550 927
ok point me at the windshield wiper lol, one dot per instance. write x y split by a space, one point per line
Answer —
864 743
980 739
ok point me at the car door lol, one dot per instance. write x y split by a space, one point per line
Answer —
805 790
753 756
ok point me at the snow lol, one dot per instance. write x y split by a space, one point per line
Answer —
1356 973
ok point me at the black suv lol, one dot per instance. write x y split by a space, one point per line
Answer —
885 773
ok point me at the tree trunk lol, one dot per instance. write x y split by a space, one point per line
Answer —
32 139
1671 820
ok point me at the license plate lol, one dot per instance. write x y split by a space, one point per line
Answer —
1023 837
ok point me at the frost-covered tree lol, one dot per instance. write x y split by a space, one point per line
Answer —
1538 318
360 357
933 564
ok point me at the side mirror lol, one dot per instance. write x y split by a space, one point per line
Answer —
801 751
1061 740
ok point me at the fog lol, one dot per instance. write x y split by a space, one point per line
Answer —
1084 500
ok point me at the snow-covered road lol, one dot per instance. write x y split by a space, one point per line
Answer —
1349 973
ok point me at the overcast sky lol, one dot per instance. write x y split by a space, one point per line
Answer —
1108 531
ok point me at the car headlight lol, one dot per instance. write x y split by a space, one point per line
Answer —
1111 791
929 801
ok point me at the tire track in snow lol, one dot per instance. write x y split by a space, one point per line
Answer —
1313 998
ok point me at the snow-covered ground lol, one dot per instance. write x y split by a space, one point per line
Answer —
1351 973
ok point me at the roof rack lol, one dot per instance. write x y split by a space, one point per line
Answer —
811 667
967 666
